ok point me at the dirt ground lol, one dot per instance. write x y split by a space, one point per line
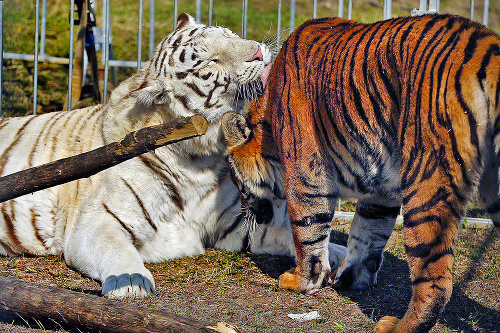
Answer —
242 289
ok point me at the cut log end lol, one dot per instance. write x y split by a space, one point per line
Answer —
199 123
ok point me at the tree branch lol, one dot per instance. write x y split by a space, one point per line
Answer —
89 163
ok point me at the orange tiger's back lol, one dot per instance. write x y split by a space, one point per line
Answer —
399 112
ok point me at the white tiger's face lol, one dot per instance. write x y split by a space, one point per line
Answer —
211 69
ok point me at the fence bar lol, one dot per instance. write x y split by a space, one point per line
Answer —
1 56
198 11
349 10
278 24
387 9
71 52
151 27
139 35
472 9
105 53
341 8
423 5
31 57
315 8
292 16
35 69
176 12
485 12
44 25
434 6
244 19
210 11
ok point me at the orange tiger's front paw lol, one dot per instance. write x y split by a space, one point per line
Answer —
290 280
386 324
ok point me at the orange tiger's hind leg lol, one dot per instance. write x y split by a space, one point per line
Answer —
432 209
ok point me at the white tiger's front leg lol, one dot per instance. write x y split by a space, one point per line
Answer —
102 249
371 228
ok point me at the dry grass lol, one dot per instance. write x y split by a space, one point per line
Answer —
241 289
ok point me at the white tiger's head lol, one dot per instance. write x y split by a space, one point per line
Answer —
205 70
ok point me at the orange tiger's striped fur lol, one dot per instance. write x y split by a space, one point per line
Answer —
399 112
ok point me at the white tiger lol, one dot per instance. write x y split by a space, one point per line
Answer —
168 203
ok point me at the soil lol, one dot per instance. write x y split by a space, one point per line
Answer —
241 289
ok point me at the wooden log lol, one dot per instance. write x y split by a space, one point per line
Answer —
69 308
78 74
89 163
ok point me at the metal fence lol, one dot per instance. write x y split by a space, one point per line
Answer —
103 39
424 6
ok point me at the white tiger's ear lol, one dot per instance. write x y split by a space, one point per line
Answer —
184 20
156 93
235 128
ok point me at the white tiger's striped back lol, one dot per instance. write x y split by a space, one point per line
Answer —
30 221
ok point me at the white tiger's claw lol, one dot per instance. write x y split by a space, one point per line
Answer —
127 285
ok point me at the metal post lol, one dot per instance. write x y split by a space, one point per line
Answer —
105 53
349 10
278 24
151 27
423 5
315 8
341 8
210 11
198 11
44 25
387 9
472 9
1 56
71 52
139 35
434 6
35 70
176 12
485 12
244 19
292 16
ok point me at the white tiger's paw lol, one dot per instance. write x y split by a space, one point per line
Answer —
335 254
127 285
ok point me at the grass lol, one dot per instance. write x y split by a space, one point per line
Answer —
241 288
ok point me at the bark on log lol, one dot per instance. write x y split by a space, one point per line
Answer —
89 163
74 309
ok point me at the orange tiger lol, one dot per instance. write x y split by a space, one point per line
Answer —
398 112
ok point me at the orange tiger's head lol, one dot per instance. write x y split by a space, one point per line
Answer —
255 164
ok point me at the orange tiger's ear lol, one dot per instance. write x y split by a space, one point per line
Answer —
235 129
184 20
